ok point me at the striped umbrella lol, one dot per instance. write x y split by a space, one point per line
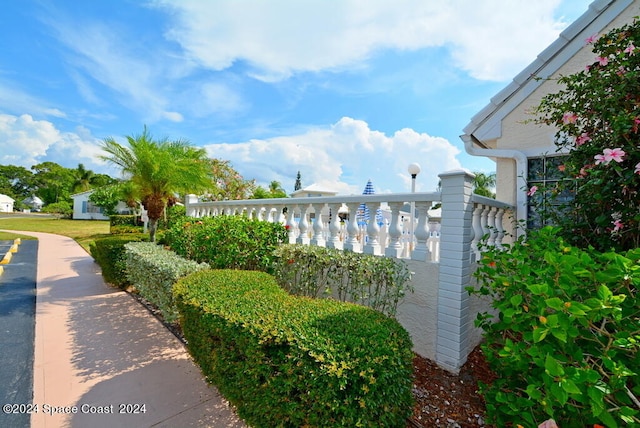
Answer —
363 211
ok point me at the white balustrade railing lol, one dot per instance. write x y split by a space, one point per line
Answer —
488 224
454 236
338 221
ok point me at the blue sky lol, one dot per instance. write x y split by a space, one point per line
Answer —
341 90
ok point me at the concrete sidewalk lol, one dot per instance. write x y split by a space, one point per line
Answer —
101 360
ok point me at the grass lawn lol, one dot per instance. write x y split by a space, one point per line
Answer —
83 231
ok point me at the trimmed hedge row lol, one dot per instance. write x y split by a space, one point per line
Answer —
109 254
153 270
288 361
227 241
377 282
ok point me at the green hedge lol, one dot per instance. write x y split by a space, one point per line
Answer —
288 361
153 270
377 282
227 242
109 253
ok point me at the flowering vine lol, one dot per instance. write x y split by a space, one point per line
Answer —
597 115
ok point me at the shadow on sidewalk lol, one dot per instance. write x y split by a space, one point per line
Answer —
157 387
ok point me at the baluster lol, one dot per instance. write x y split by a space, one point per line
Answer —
281 217
303 226
421 252
483 220
499 228
291 223
270 214
395 232
352 243
476 231
373 231
334 227
491 224
318 226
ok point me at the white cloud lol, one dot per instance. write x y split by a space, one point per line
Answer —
142 78
343 157
27 142
15 100
490 39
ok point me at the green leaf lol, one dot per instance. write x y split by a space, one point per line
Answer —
539 334
555 303
604 293
553 367
538 289
516 300
570 386
559 393
559 334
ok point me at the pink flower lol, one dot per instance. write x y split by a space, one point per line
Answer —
561 168
569 117
609 155
549 423
532 191
603 60
617 225
615 154
591 39
630 49
583 138
637 170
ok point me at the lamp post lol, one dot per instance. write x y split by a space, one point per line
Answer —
414 170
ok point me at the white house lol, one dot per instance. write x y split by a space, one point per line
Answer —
6 204
313 191
84 209
33 202
504 131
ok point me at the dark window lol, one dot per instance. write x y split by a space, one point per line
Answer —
546 174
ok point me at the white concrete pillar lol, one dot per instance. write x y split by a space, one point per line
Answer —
454 319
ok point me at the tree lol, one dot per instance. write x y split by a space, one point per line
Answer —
54 182
228 183
275 191
298 184
597 114
82 179
483 184
107 198
16 181
158 169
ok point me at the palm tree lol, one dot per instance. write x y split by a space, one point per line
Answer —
159 169
484 183
82 178
276 190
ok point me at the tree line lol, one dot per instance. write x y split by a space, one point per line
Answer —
149 166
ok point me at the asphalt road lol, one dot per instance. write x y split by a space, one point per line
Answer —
17 330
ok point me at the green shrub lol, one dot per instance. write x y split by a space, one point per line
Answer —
124 220
288 361
153 270
567 339
227 242
62 209
175 214
377 282
120 229
109 253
